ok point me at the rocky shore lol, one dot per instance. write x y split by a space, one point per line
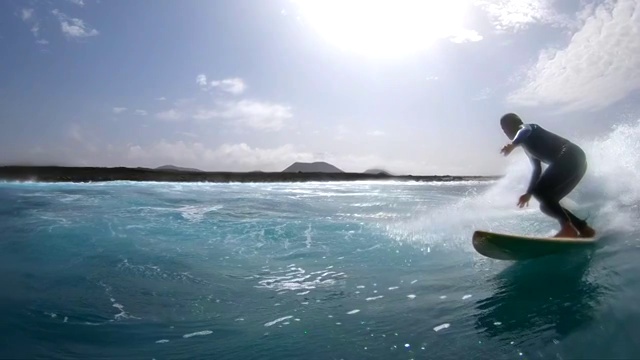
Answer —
99 174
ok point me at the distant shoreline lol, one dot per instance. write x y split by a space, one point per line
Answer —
102 174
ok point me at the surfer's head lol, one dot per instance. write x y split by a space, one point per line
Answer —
510 124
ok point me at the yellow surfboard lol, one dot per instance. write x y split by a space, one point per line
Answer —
518 247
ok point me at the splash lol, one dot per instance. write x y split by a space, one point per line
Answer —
610 188
608 197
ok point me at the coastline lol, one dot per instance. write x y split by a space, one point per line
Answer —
102 174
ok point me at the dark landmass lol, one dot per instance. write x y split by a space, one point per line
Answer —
177 168
377 171
314 167
98 174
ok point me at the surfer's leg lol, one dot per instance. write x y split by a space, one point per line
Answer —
575 163
556 182
550 206
566 218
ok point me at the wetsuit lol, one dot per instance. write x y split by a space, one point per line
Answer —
566 166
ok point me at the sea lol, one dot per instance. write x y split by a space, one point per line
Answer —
318 270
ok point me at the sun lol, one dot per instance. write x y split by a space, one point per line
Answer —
383 28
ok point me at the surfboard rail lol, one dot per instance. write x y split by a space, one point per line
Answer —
514 247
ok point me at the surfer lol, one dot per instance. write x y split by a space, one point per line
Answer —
566 165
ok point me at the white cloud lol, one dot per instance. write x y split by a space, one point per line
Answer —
256 114
519 14
463 36
599 66
249 113
376 133
26 14
28 17
77 2
74 27
170 115
206 114
118 110
162 98
141 112
35 29
201 80
235 86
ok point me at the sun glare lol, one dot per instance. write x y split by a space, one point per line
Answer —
383 28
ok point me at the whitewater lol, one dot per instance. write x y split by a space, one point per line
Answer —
335 270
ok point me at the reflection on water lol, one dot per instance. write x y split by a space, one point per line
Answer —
540 301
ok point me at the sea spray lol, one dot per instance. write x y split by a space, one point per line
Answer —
611 188
608 197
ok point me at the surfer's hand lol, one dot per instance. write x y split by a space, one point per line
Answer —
507 149
524 200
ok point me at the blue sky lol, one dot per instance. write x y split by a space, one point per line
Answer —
410 86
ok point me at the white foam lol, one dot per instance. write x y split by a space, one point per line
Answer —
271 323
307 234
163 341
374 298
466 297
295 279
440 327
411 296
196 213
353 312
199 333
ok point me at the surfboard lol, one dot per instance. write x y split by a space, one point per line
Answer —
518 247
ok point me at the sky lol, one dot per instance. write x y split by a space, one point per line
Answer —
410 86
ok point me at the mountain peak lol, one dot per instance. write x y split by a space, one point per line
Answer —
313 167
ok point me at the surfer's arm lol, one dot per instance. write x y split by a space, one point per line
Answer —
535 175
522 134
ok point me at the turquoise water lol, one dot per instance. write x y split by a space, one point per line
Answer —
314 270
358 270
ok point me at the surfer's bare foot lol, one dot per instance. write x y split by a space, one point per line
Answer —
587 232
567 231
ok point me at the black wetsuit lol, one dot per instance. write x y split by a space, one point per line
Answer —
566 166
